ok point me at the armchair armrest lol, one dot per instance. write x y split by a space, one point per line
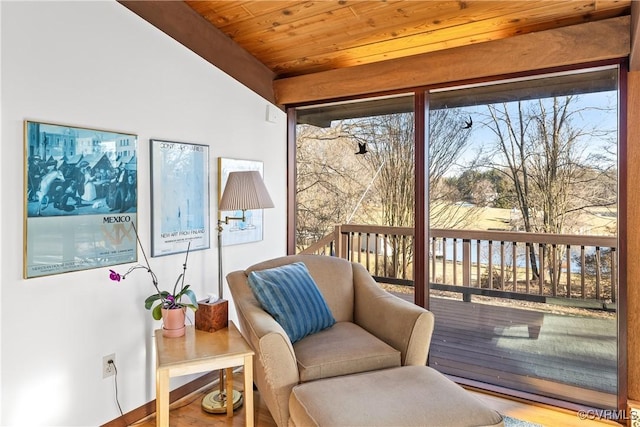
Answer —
401 324
276 369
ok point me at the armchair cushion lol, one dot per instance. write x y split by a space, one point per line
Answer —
292 297
343 349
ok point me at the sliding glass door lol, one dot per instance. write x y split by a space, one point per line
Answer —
523 235
520 257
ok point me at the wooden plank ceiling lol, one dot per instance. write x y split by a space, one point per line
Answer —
294 38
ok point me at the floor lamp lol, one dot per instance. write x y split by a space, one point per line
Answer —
244 191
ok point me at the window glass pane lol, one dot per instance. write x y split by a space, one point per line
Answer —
355 168
523 266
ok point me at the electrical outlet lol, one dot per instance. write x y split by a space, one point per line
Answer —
108 369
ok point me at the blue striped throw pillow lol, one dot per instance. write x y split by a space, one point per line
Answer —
292 297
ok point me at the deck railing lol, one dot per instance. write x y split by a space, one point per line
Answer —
531 266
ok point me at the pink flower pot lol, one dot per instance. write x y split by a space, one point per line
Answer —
173 322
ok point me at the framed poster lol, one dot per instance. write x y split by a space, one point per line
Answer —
239 232
80 198
179 197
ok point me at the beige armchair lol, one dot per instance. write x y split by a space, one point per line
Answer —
373 330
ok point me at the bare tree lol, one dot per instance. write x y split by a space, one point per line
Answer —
391 144
390 140
391 150
328 184
448 139
542 148
334 185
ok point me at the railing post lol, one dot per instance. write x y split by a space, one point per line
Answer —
568 258
527 261
478 271
432 255
583 289
337 237
367 243
502 262
454 262
514 267
554 265
541 270
490 265
598 275
466 267
385 260
376 253
444 260
614 274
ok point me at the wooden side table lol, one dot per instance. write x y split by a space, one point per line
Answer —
199 351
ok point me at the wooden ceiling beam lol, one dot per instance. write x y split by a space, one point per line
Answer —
594 41
186 26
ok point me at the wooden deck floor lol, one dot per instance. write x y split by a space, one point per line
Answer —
568 357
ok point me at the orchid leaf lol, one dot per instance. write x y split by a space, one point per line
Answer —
191 295
148 303
157 312
191 306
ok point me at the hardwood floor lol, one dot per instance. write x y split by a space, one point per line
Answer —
187 412
540 414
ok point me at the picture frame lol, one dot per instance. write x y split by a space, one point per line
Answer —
180 201
239 232
80 198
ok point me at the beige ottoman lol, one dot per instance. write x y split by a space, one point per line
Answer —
402 397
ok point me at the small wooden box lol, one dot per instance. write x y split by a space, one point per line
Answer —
211 317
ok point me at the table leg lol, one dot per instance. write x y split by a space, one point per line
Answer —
162 398
229 392
248 390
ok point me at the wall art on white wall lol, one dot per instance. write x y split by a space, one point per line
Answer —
239 232
80 198
179 197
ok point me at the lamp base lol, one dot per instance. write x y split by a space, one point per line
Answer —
216 402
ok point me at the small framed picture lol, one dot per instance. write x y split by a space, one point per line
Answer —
239 232
179 197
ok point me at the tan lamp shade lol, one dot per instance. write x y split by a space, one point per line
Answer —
245 190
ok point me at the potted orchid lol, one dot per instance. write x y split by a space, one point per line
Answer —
162 301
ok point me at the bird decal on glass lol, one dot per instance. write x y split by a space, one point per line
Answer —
362 148
468 123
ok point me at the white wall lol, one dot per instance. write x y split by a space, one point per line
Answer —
96 64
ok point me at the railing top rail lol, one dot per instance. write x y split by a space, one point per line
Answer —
319 245
376 229
484 235
512 236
